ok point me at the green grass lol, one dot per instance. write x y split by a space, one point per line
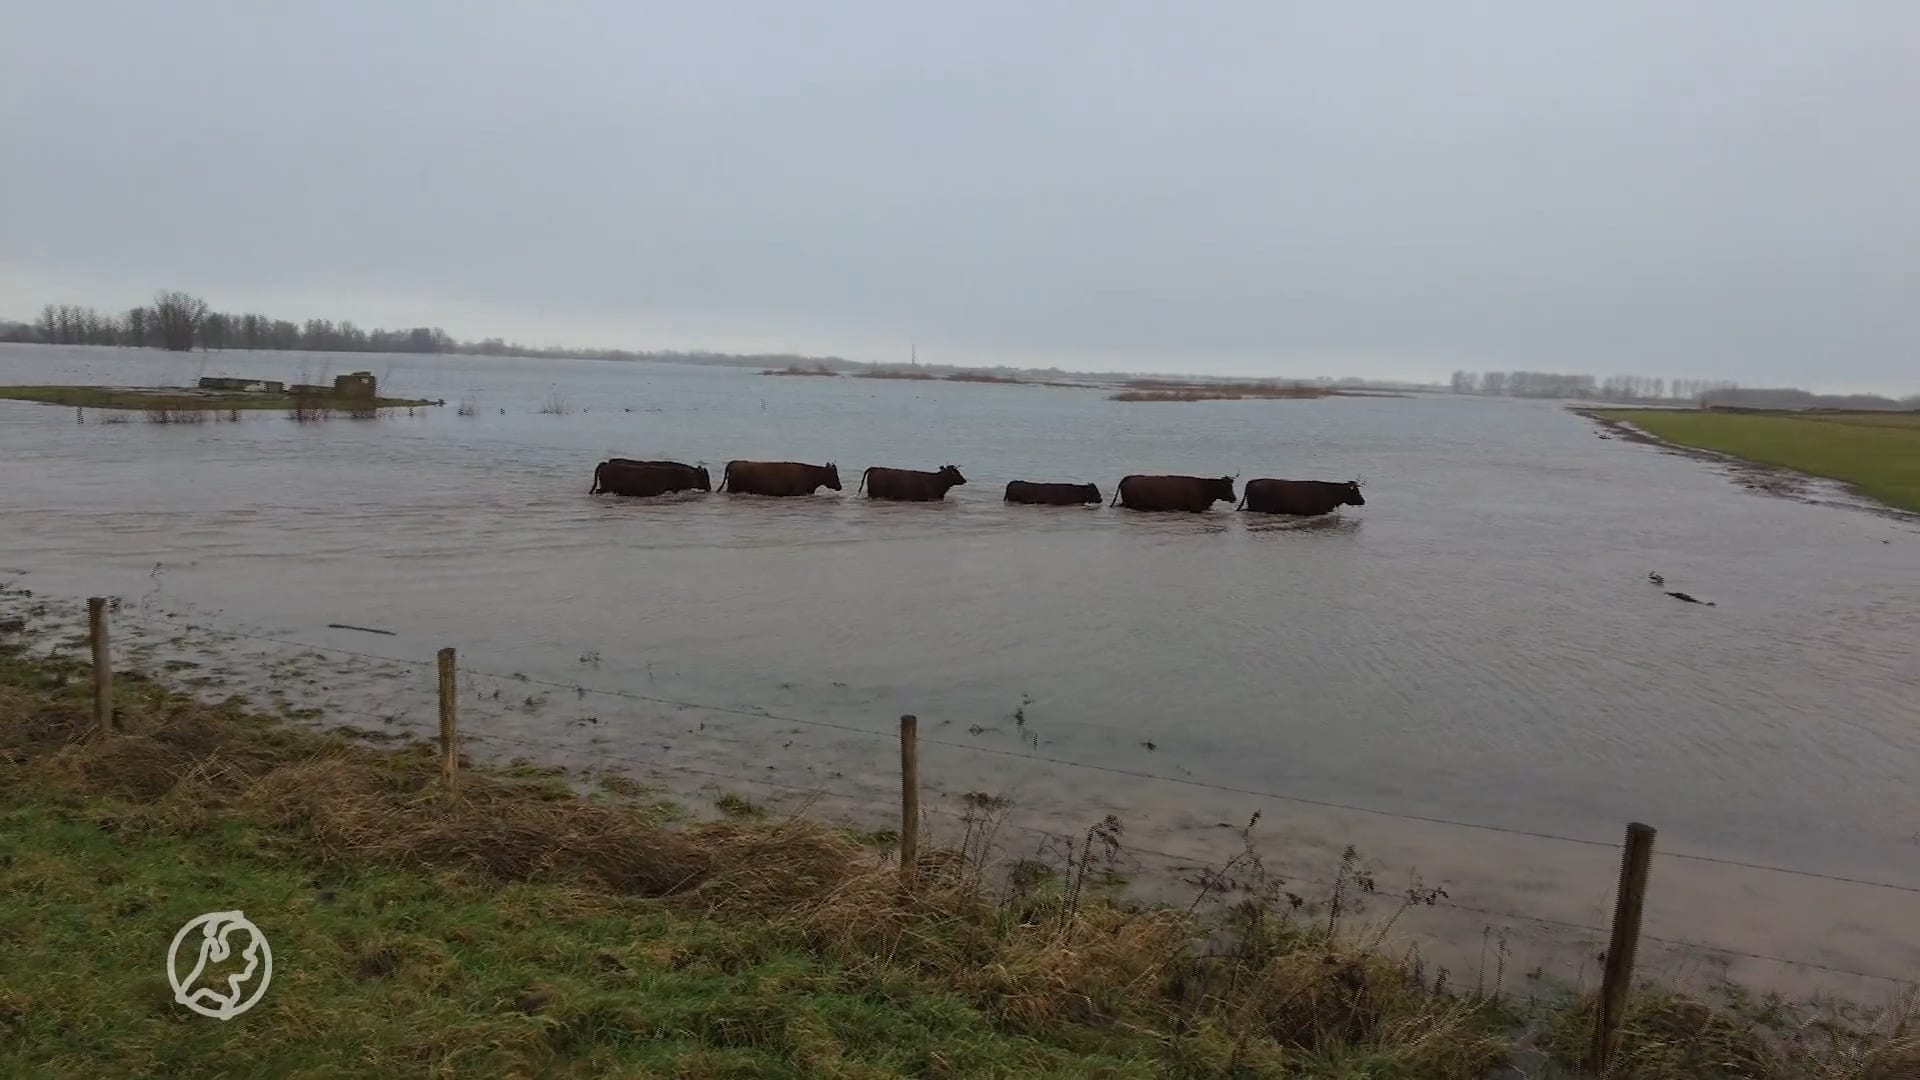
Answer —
381 971
122 397
1876 454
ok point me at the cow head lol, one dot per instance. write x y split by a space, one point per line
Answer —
1351 496
831 476
1221 489
1093 493
706 481
950 476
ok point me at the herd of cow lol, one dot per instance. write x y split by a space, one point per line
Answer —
1301 498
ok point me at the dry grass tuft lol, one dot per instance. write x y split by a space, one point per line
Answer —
1670 1036
1049 959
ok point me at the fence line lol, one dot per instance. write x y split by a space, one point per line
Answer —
1138 774
1178 860
1636 858
1636 852
1710 947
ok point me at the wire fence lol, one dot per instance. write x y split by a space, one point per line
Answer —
745 735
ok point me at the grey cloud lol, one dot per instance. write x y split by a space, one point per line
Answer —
1714 189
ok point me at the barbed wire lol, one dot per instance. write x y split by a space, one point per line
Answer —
1067 837
236 635
1710 947
1113 770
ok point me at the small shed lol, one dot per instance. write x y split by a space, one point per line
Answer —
360 384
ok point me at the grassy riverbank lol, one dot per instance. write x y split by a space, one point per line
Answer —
1877 454
180 399
525 928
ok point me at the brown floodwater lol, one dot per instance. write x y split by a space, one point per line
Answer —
1479 644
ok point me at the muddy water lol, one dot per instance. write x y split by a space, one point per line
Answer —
1480 643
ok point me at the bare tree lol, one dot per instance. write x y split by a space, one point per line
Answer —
214 330
176 318
137 328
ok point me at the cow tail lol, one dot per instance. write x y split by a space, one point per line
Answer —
595 489
726 476
863 482
1243 500
1116 494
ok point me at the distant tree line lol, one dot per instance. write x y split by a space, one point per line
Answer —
494 346
1756 398
180 322
1542 384
1627 388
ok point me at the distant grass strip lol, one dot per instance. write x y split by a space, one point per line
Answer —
175 400
1877 455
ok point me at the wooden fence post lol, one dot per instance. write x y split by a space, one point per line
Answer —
449 735
1635 857
102 665
909 797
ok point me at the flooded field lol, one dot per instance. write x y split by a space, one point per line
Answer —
1479 644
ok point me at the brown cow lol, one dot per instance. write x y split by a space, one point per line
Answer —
909 485
1301 498
625 476
1027 491
778 478
1194 494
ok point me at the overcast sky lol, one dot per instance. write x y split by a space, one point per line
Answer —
1702 189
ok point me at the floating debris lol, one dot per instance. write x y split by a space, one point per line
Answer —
1689 599
362 629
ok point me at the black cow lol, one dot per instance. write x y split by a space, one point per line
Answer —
1194 494
625 476
910 485
1028 491
1301 498
778 478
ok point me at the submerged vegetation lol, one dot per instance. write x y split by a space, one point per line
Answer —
1875 453
1166 390
914 374
183 400
520 924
